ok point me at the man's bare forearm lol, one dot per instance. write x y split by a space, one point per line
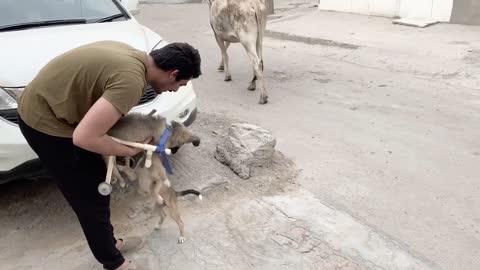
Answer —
104 145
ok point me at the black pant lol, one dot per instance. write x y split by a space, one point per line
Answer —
77 173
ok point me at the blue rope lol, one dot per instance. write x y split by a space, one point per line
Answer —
161 149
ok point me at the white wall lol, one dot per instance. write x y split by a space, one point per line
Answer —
371 7
442 10
436 9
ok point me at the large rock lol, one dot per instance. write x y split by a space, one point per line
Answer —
245 146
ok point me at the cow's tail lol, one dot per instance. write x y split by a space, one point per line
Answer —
261 17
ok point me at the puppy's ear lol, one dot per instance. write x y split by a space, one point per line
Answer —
175 124
195 141
152 113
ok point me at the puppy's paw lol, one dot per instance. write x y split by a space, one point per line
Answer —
167 183
160 200
158 227
181 240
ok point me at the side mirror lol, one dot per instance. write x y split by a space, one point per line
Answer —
131 6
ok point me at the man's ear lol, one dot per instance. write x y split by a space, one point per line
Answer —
174 74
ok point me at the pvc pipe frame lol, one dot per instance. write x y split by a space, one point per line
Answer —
148 161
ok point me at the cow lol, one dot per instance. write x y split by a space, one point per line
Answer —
243 21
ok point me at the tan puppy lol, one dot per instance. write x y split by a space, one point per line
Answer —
150 181
136 127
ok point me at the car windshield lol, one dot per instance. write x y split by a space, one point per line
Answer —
21 12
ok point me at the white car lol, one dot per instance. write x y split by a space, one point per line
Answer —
34 31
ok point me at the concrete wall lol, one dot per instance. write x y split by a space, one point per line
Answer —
466 12
434 9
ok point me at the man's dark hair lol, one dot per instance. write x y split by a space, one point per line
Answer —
178 56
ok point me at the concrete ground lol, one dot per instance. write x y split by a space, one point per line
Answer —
265 222
378 130
382 119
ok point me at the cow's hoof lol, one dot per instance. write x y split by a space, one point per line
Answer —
181 240
252 87
228 78
263 100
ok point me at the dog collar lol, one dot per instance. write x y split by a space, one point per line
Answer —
161 149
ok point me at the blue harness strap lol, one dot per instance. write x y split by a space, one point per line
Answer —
161 149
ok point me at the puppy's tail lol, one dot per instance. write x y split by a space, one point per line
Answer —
188 191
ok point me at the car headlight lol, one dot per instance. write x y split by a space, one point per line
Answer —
8 96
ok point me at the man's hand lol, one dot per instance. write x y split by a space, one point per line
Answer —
137 150
91 132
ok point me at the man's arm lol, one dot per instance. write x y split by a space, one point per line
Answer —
91 132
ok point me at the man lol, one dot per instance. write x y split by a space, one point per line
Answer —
67 109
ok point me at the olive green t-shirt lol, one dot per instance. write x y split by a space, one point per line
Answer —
60 95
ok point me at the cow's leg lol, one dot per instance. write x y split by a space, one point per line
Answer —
257 65
249 43
223 48
253 84
258 47
221 67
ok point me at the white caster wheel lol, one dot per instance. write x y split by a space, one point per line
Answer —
105 188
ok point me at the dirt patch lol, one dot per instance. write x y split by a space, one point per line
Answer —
265 222
39 228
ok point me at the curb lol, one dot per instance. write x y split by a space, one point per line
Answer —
309 40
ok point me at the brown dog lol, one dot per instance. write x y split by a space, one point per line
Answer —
136 127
